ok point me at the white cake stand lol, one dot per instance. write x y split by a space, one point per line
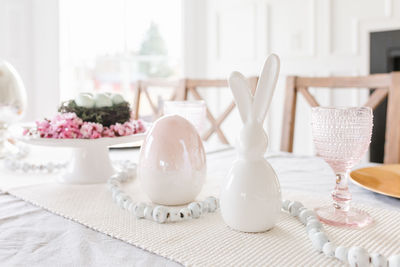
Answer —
90 163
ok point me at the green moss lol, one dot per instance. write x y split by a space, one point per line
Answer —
118 113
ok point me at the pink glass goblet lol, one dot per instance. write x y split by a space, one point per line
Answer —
341 137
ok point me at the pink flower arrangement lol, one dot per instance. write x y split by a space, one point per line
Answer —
69 125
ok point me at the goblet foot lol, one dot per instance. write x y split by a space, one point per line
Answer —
354 217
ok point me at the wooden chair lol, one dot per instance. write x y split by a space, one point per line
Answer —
176 88
192 86
181 89
384 85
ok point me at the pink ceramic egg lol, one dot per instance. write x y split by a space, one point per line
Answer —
172 163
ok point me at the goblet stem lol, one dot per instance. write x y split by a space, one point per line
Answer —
341 194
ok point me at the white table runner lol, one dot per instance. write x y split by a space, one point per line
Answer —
206 241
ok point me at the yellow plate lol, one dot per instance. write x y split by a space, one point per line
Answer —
383 179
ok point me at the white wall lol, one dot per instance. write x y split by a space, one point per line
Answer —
314 38
29 41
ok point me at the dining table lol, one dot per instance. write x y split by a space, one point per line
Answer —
33 236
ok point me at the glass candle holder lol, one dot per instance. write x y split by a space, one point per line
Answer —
193 111
341 137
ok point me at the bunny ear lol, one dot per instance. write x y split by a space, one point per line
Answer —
241 92
265 87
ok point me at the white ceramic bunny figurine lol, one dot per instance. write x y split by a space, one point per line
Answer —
251 196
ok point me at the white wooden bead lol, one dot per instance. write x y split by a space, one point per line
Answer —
304 214
113 182
131 207
123 176
378 260
138 209
341 253
203 207
394 261
160 214
212 203
318 240
148 212
301 209
195 209
329 249
185 213
121 198
115 193
312 217
285 204
313 231
126 203
358 257
50 167
115 177
294 208
174 216
112 187
313 224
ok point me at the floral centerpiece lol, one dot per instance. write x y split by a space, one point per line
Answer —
89 116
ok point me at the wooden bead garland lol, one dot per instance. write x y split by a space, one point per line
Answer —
354 256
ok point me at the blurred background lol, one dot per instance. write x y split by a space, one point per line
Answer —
65 47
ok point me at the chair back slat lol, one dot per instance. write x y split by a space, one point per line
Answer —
384 85
181 89
370 81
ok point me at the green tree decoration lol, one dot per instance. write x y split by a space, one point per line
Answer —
154 45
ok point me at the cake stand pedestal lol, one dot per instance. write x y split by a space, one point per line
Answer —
90 162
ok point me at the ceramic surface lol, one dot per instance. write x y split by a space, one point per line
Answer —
380 179
172 162
251 196
90 163
13 101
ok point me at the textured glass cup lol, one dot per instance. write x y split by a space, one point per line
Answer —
341 137
193 111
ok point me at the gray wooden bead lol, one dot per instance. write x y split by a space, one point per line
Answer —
212 203
318 240
160 214
378 260
304 214
185 214
294 208
329 249
138 209
285 204
195 209
341 253
394 261
358 257
148 212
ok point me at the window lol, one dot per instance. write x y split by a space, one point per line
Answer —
109 44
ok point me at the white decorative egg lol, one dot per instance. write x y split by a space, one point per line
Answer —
172 163
102 100
117 99
84 100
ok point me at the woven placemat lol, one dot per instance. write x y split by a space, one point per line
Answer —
208 241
